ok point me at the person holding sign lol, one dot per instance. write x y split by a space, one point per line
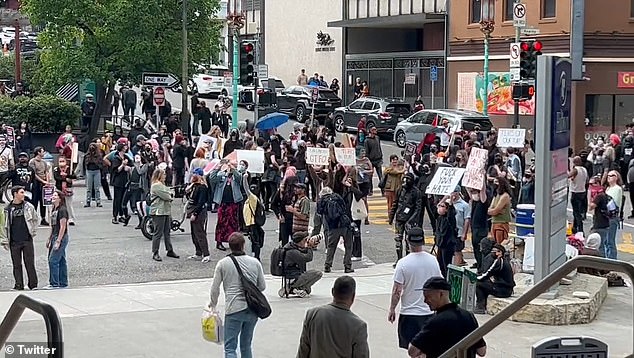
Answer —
445 237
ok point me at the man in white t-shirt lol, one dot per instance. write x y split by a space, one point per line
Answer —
410 275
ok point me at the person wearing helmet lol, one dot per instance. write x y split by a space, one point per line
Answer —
23 175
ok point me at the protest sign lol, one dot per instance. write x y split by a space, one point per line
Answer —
255 158
317 156
475 175
410 149
445 181
511 138
346 156
10 136
47 194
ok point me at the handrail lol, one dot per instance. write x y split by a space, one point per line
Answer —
460 349
51 321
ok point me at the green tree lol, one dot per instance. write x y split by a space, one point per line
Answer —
111 41
30 73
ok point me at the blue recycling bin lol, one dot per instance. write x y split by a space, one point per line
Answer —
525 219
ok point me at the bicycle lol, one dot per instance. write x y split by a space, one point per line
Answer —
147 225
5 188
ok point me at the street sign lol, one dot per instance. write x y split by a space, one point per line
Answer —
228 78
410 79
159 96
159 79
514 55
515 74
530 31
433 73
263 71
315 94
519 15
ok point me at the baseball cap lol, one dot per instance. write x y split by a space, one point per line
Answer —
437 283
299 236
140 137
23 154
416 235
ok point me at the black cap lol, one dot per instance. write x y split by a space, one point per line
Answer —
416 235
437 283
499 247
23 154
299 236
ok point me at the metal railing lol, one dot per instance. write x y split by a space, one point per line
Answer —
52 322
459 350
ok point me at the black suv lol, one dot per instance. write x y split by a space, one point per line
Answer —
297 102
382 113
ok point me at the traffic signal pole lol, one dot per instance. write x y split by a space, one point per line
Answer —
236 76
516 104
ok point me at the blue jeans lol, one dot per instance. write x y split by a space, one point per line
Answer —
604 237
239 324
93 181
58 271
609 245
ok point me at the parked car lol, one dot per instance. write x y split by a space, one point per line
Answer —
245 95
382 113
419 124
210 81
297 102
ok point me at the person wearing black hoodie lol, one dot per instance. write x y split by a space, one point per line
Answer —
445 235
196 211
233 143
497 280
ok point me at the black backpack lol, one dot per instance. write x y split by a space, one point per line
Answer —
256 301
277 261
335 213
260 214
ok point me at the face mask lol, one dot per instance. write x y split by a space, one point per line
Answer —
241 168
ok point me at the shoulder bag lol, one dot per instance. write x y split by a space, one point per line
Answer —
255 298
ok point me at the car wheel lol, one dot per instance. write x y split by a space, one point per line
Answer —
224 92
339 124
400 139
300 113
369 126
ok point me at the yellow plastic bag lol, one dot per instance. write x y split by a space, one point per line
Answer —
212 326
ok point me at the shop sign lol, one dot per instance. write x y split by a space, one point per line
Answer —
625 80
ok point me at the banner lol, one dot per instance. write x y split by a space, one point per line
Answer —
317 156
255 158
511 138
445 181
475 174
346 156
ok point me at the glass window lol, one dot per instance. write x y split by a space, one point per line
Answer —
623 111
430 118
549 8
476 11
376 105
357 104
599 112
508 10
368 106
418 117
632 8
403 109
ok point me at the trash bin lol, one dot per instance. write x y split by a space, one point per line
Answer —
569 347
463 286
525 219
454 277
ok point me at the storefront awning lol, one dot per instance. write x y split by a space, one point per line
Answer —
400 21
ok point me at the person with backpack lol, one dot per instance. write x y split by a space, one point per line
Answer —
336 217
254 219
297 253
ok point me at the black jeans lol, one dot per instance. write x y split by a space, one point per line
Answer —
199 234
286 229
445 257
357 250
104 184
267 190
38 198
477 235
23 250
486 288
631 190
256 234
118 205
577 201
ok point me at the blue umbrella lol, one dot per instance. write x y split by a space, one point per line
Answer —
271 121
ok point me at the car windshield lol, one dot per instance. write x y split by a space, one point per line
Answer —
327 94
399 108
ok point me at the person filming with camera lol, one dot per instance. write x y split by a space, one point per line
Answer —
299 251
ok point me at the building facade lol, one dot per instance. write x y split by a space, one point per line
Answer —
602 103
385 40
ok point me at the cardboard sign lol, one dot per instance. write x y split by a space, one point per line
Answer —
346 156
47 194
317 156
410 149
10 136
445 181
511 138
475 174
255 158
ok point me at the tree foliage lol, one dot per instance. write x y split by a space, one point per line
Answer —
110 41
30 73
44 114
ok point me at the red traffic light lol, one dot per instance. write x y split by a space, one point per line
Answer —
537 46
531 90
525 46
248 47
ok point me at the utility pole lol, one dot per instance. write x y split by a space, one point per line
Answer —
235 19
184 75
516 103
487 25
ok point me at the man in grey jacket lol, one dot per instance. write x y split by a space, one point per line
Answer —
332 330
19 228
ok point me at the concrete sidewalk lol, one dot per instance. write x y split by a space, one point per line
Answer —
162 319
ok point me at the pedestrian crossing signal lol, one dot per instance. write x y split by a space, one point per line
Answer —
523 92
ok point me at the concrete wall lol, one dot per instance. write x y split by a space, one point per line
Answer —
291 36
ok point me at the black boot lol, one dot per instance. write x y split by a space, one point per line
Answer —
399 255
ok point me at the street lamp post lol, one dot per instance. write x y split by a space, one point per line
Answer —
235 19
487 25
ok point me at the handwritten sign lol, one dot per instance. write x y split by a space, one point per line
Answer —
10 136
317 156
475 175
346 156
255 158
511 138
445 181
47 194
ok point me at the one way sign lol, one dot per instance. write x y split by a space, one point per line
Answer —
159 79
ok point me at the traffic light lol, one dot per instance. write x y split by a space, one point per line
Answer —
528 59
523 91
247 63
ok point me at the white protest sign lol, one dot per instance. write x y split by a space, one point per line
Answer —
445 181
255 158
317 156
346 156
511 138
475 175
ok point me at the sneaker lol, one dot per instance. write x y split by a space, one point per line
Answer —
121 219
138 227
44 223
356 259
327 270
87 205
348 270
71 223
479 310
156 257
205 259
172 254
367 222
99 205
49 287
194 257
126 220
115 221
17 288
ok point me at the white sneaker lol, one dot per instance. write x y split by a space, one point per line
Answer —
194 257
205 259
356 259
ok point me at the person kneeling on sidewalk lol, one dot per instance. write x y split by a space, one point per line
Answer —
497 280
299 251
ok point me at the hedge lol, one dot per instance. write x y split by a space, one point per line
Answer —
44 114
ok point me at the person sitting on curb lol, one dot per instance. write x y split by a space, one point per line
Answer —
299 251
497 280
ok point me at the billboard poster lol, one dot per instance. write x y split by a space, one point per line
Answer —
500 95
